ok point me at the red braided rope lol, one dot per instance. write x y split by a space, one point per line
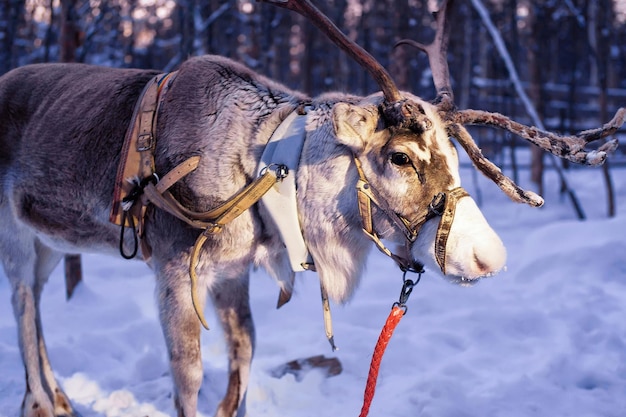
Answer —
385 334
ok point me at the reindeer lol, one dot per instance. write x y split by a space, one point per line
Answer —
377 168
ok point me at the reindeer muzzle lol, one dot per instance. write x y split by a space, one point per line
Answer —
443 205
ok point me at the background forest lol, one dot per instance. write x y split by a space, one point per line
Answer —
570 54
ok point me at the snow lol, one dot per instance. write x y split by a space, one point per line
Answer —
547 337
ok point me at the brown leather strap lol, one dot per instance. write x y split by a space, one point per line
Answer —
137 162
218 216
445 225
179 172
131 165
211 221
366 195
236 205
328 320
365 207
137 155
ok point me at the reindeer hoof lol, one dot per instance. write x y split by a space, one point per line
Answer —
37 406
62 405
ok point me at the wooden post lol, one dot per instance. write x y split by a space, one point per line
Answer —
73 273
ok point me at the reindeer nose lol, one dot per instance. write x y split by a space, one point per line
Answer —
474 249
489 256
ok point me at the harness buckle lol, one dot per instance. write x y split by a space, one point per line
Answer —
280 170
145 142
438 204
212 229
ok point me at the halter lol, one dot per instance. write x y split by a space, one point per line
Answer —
443 204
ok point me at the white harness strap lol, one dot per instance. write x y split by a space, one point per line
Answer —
285 148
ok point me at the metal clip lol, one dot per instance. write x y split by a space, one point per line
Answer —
407 289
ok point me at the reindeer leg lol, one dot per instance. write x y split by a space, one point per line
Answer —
20 260
181 329
46 262
37 402
61 403
231 299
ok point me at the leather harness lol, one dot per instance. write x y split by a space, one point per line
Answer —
131 198
442 204
137 185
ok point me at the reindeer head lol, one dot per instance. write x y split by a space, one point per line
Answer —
408 168
409 189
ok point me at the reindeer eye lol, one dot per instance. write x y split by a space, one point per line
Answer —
399 158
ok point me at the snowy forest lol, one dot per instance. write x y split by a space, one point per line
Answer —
570 54
567 50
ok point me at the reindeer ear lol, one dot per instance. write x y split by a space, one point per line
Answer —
354 124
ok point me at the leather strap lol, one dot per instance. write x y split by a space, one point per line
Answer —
366 195
235 206
217 217
179 172
328 320
211 221
445 224
131 166
137 155
137 163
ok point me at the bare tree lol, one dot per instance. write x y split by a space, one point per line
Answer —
70 41
536 61
70 38
599 40
11 12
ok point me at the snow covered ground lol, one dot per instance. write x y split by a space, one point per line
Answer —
545 338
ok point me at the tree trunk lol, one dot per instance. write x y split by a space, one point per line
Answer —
536 93
599 41
10 12
530 109
70 41
70 32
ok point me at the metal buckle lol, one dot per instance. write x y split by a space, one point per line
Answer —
281 170
145 145
438 204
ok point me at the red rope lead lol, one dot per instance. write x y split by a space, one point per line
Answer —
385 334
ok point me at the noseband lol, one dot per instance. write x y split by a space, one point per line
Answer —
442 205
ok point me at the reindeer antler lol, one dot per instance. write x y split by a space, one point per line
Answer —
397 110
567 147
571 148
491 170
437 52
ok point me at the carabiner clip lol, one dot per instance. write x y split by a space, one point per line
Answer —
407 289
